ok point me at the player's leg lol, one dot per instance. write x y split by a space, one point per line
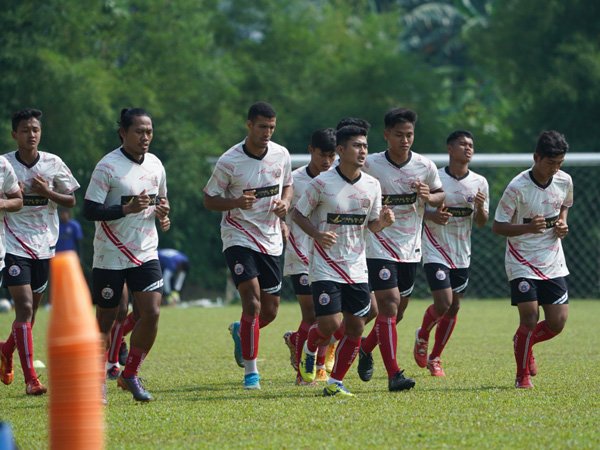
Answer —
145 283
524 295
116 340
407 273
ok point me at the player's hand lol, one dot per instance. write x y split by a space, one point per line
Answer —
479 200
40 186
441 215
164 223
246 201
326 239
281 208
386 216
537 224
422 190
163 208
137 204
561 229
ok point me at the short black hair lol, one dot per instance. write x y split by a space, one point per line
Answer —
25 114
126 118
353 121
399 115
457 134
261 109
344 134
551 143
324 139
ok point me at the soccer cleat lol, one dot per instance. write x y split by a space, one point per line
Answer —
321 375
420 350
337 389
234 329
533 370
123 352
252 381
400 383
523 382
287 338
330 357
365 364
7 373
308 368
134 385
34 387
435 368
113 373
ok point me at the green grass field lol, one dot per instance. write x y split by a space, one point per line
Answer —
200 402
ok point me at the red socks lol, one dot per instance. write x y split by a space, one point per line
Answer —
128 324
249 335
24 340
345 354
542 332
385 328
316 338
522 346
116 336
134 361
445 327
300 336
430 318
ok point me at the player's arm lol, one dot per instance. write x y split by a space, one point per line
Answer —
282 205
480 216
386 218
218 203
94 211
325 238
437 197
561 228
41 187
439 215
13 202
537 225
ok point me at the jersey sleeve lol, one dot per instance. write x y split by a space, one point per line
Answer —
99 185
11 184
568 202
507 206
64 181
433 177
310 199
162 187
376 209
288 180
485 189
219 180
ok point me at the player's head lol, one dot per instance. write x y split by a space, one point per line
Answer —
399 131
351 145
460 146
322 149
551 143
27 128
550 152
135 130
353 121
261 125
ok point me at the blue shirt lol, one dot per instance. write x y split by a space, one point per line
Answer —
69 235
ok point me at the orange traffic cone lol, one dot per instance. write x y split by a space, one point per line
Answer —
75 364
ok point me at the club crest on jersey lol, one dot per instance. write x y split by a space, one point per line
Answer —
238 269
470 198
304 280
440 275
524 286
107 293
385 274
365 203
324 299
278 173
14 270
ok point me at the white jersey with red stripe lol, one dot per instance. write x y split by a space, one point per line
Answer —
334 203
238 171
401 242
299 243
131 240
450 244
32 231
8 185
536 256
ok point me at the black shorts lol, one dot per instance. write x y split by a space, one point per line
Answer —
331 297
440 276
107 284
385 274
20 271
301 284
545 292
245 264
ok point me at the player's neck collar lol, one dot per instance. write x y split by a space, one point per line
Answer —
543 186
252 155
131 158
447 170
401 165
29 166
345 178
309 173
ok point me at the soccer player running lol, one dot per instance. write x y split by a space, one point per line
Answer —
409 181
298 248
532 214
447 247
126 194
31 234
252 186
335 211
